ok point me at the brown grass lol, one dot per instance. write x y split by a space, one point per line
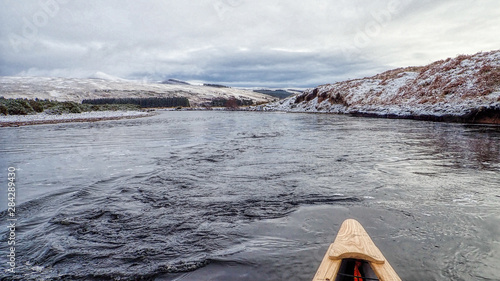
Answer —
394 73
444 80
488 79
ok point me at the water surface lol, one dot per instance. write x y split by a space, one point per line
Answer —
250 196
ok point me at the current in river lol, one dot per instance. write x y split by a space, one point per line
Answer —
248 196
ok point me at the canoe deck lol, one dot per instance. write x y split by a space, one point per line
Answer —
354 244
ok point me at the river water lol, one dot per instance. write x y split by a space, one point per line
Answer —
248 196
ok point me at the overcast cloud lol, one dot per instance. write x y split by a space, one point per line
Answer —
292 43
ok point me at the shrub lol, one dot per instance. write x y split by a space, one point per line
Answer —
3 109
25 103
64 107
36 105
26 106
17 108
71 107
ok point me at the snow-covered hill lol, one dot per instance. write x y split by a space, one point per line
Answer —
73 89
104 76
465 88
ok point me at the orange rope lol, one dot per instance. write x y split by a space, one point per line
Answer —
356 271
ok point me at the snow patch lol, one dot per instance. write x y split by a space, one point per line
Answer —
105 76
72 89
452 87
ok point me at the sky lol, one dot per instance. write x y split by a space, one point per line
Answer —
240 43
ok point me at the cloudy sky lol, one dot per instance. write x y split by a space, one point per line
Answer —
272 43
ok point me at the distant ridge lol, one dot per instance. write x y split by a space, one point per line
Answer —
104 86
172 81
277 93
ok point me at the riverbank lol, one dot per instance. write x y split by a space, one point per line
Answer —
44 118
464 89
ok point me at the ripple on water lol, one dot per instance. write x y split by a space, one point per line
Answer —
195 196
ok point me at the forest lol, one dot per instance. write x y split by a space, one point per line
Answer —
142 102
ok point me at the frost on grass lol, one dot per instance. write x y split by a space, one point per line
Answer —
465 89
76 90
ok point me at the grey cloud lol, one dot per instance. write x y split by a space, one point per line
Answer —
239 42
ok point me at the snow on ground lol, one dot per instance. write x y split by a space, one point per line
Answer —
452 87
105 76
43 118
73 89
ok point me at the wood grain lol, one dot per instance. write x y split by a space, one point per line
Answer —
352 242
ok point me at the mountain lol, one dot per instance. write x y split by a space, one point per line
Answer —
75 89
172 81
462 89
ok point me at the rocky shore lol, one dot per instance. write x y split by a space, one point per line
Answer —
93 116
462 89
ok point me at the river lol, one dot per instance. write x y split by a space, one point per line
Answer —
248 196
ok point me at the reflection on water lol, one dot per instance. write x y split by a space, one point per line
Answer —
250 196
474 147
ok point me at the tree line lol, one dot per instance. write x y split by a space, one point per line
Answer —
230 103
142 102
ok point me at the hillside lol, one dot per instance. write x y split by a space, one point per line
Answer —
463 89
279 93
72 89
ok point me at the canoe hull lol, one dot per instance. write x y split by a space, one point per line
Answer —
353 243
